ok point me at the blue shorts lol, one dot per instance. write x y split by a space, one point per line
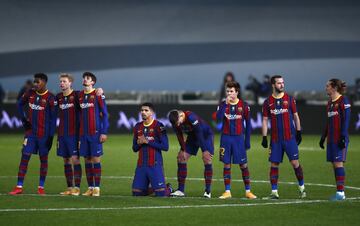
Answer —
67 146
232 149
146 174
90 146
335 154
34 145
278 148
192 144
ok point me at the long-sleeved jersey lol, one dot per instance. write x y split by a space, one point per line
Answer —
93 114
155 133
234 117
41 112
194 126
338 119
280 111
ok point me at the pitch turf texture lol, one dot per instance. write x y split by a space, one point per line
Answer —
116 206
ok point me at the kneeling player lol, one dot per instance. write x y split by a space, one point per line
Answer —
149 140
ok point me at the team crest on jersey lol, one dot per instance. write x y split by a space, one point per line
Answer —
240 109
285 102
151 130
92 97
71 98
336 105
43 101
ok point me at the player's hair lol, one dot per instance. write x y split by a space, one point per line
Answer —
147 104
66 75
173 116
233 84
41 76
274 77
337 84
91 75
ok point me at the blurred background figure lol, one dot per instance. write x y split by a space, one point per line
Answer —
228 77
259 89
26 87
353 91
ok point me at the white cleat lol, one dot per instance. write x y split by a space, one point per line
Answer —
207 195
178 193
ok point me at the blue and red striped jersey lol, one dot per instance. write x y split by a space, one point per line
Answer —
41 112
93 113
235 117
195 126
68 114
280 111
338 119
155 133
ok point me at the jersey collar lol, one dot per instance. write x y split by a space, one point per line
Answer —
149 123
279 97
89 91
236 102
41 94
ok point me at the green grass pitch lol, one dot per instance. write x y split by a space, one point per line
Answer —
116 206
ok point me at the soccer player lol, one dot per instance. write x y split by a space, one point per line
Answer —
149 140
234 114
280 108
39 123
93 129
336 132
199 134
68 133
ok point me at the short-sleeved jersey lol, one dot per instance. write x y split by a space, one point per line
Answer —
41 112
234 117
155 133
93 114
280 111
338 119
68 114
194 126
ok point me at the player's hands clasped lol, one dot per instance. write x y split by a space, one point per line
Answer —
142 140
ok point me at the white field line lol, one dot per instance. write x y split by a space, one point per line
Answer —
356 199
214 179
